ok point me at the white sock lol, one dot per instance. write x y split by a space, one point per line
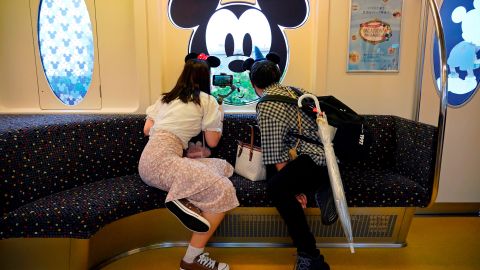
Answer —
191 253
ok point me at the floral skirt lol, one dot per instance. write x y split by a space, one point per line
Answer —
203 181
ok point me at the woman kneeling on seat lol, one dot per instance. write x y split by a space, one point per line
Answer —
199 191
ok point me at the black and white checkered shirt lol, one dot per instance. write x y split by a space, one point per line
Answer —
277 121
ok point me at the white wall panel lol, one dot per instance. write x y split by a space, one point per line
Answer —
373 93
18 79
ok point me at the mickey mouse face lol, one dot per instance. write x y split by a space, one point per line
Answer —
236 31
469 21
234 38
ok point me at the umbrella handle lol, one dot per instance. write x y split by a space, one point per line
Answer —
317 104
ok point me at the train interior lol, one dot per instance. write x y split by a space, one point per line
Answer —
77 77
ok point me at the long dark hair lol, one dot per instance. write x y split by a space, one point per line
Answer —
195 77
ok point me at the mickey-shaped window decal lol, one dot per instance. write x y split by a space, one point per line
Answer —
65 40
237 31
462 39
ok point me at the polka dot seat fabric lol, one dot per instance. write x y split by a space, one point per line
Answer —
396 170
71 175
46 154
81 211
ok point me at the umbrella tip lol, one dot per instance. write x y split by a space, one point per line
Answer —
352 249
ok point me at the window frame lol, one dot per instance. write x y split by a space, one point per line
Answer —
47 98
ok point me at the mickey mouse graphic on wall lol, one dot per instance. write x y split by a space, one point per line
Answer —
236 31
462 39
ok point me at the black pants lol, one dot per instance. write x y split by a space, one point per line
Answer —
301 175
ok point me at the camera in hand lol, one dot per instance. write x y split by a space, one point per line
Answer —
222 80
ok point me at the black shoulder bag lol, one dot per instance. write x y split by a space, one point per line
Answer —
349 142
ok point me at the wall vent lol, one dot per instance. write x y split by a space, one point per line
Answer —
241 225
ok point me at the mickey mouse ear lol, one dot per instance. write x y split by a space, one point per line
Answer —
273 57
213 61
247 64
191 56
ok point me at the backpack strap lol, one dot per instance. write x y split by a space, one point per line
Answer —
281 98
289 100
297 91
305 138
278 98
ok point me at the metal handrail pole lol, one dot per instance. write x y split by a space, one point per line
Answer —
422 37
442 116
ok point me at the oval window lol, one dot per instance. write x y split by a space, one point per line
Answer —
66 48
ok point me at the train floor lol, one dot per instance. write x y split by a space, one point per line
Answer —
433 243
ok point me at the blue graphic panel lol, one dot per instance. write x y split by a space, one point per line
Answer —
66 48
461 20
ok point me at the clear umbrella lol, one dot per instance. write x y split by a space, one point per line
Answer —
325 133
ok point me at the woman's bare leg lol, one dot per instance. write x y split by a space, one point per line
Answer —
199 240
197 245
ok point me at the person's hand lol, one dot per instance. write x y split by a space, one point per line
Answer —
302 199
148 125
197 150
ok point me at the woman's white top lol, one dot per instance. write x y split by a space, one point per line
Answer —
186 120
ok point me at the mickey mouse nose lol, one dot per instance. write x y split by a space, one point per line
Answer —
236 66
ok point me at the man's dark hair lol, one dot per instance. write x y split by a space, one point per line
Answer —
264 73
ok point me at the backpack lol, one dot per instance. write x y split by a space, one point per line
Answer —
349 141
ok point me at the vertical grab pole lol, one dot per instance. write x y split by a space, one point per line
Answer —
422 37
442 116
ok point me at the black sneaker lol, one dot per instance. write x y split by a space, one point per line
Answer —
326 203
189 215
307 262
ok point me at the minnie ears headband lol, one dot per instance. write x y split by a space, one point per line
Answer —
247 64
211 60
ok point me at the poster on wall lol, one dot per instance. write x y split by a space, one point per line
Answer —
374 37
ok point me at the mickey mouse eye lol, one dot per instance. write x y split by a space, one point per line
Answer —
231 36
229 45
247 44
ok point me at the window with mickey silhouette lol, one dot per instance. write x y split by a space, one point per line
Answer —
66 48
460 21
237 31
